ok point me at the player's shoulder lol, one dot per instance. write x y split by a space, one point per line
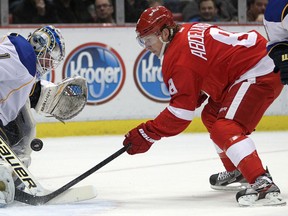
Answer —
22 46
17 39
276 10
22 49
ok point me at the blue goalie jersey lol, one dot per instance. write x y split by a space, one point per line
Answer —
17 77
276 22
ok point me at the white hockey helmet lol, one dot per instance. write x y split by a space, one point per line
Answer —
49 47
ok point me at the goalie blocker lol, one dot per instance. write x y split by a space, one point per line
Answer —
63 100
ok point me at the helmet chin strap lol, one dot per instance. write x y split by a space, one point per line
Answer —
164 44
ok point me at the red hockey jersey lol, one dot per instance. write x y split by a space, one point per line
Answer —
204 58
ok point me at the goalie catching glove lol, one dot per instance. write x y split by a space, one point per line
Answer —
140 138
64 100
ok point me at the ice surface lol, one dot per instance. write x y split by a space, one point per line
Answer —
170 179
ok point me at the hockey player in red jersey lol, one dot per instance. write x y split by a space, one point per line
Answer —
233 70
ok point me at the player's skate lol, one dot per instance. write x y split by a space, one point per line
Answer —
229 181
7 188
262 193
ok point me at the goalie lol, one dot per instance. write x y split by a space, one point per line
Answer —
23 62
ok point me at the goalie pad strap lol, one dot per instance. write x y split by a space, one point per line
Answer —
35 94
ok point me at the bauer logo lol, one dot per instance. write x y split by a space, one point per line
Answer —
101 66
148 77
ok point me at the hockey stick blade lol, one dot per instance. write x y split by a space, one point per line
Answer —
30 199
74 194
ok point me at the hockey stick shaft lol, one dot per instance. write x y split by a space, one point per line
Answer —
39 200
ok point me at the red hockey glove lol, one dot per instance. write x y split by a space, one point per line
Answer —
140 138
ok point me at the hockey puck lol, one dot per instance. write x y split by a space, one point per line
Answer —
36 144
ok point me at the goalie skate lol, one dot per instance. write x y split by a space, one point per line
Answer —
228 181
262 193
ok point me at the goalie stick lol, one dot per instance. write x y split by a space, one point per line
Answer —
33 186
30 199
20 170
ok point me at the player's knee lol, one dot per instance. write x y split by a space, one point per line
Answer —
224 131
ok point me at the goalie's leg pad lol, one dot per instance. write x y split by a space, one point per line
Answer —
7 188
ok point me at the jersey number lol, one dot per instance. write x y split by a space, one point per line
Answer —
234 39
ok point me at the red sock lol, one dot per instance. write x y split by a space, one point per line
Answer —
229 166
251 167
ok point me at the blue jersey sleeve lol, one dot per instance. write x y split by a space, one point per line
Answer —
25 52
276 10
275 22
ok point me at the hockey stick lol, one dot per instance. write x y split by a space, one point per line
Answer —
21 196
22 172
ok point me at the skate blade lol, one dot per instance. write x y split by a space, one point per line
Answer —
271 199
231 187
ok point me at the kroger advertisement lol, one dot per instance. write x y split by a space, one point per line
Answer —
124 81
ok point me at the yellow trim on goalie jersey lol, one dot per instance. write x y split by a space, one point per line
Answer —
121 127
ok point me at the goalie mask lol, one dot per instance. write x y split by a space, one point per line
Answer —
49 48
